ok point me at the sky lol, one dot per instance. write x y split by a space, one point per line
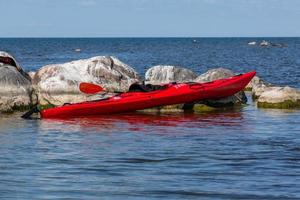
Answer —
150 18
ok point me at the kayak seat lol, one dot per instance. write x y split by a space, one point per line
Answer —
8 61
137 87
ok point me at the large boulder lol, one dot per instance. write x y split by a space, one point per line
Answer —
220 73
161 74
214 74
279 97
59 83
15 85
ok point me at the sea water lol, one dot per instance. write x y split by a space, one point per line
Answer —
245 153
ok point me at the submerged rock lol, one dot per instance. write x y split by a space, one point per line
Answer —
15 85
59 83
279 97
165 74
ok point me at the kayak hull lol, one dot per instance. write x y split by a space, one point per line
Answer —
171 94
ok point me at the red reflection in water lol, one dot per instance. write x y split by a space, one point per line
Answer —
147 121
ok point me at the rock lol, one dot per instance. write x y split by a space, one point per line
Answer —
252 43
202 108
165 74
265 43
257 90
59 83
15 85
270 44
279 97
255 82
214 74
257 86
219 73
176 108
31 74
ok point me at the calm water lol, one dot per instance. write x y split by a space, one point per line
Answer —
247 153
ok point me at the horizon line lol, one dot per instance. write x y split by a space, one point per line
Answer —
154 37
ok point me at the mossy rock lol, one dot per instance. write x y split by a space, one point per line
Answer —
248 89
166 109
287 104
203 108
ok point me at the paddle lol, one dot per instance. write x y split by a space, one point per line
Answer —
87 88
90 88
28 114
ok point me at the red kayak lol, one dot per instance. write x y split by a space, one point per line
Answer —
175 93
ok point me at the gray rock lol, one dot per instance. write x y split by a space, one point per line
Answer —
258 89
59 83
255 82
214 74
15 86
271 44
279 97
31 74
258 86
265 43
253 43
162 74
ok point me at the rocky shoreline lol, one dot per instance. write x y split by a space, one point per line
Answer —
58 84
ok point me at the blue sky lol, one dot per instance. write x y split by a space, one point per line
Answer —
149 18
